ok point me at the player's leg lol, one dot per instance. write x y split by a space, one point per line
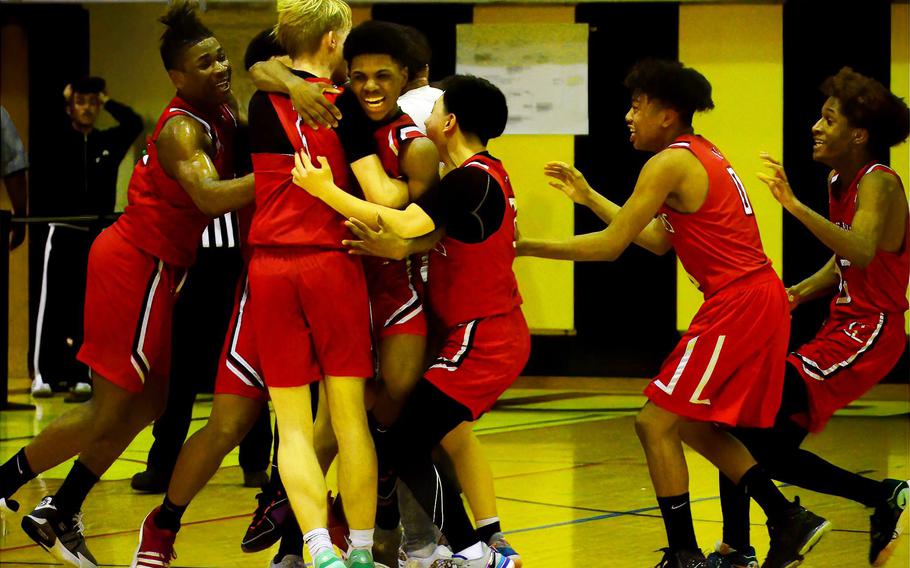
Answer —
324 441
401 362
356 456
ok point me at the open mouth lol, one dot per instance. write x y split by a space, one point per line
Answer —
817 143
373 103
224 86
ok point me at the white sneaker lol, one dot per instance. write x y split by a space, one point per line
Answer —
427 557
40 389
289 561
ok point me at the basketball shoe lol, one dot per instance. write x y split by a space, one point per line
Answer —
724 556
265 528
288 561
425 557
328 559
499 543
682 559
885 524
490 559
8 505
793 537
62 538
156 545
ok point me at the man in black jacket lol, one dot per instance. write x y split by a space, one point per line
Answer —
79 179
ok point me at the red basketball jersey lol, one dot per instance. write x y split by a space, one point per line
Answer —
470 281
161 218
882 285
720 242
286 215
389 139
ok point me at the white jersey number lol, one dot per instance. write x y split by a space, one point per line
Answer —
743 196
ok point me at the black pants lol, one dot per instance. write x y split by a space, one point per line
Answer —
406 449
201 318
61 302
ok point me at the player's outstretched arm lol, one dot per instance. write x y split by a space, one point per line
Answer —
570 181
308 98
182 146
318 182
876 194
386 244
819 284
376 184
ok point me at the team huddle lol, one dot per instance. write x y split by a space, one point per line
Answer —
379 312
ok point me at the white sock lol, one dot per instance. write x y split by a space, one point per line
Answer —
317 540
361 539
472 552
485 522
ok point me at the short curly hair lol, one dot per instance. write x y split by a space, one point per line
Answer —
868 104
681 88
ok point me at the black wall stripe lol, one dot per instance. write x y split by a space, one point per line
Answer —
625 311
818 41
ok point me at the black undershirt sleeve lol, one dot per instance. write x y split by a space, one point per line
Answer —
468 202
267 136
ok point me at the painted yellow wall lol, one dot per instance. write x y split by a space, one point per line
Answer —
14 98
900 85
739 48
546 286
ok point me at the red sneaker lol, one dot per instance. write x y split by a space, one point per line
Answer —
156 546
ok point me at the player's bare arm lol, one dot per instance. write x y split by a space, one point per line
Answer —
420 165
308 98
819 284
662 174
183 148
376 184
879 198
573 184
384 243
318 182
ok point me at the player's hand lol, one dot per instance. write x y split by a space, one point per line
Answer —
68 92
312 106
569 181
777 182
381 242
317 181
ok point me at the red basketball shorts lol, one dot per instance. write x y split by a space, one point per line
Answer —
396 298
129 303
846 358
310 316
481 358
239 371
729 365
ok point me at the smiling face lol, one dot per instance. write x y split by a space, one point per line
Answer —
832 135
204 73
645 121
377 80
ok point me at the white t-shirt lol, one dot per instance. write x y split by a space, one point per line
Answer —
418 104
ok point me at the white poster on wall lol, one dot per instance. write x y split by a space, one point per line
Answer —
541 68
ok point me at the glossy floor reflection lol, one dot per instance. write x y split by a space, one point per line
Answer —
571 480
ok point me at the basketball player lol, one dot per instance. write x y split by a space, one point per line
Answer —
863 336
305 331
486 340
135 272
728 367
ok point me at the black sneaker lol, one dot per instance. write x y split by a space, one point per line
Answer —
682 559
884 524
793 537
724 556
265 528
62 538
150 481
8 505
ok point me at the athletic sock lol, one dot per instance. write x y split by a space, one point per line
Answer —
169 515
15 473
361 538
805 469
291 539
75 488
677 514
486 528
734 504
759 486
317 540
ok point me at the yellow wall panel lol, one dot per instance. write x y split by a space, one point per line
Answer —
900 85
739 48
547 286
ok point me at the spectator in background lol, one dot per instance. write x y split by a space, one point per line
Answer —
13 168
83 182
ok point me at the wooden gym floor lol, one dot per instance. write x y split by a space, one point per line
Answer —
571 481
